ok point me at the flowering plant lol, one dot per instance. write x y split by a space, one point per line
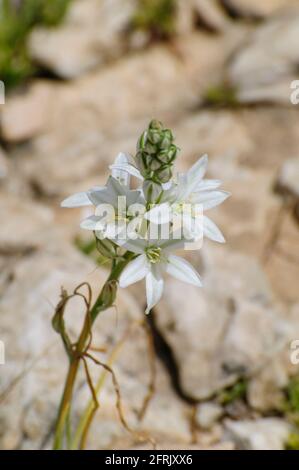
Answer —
138 229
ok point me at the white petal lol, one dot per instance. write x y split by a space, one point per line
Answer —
102 196
135 271
211 230
176 242
128 168
210 199
121 175
182 270
135 246
188 182
192 227
92 223
77 200
196 173
207 185
160 214
154 287
114 187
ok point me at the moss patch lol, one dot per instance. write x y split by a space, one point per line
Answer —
235 392
221 96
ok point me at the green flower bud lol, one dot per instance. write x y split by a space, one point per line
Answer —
108 294
156 153
106 248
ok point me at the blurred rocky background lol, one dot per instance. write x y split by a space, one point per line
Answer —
83 78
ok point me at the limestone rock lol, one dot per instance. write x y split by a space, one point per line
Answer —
230 328
255 8
204 14
91 34
282 258
25 115
262 434
208 414
288 179
264 67
26 223
3 164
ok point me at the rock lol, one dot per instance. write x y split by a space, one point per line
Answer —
3 164
244 218
205 13
265 389
210 14
26 223
254 8
262 434
91 34
222 135
35 367
228 329
207 414
25 115
288 180
236 144
264 67
282 258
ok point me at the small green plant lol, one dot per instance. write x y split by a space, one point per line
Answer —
16 23
292 393
221 96
292 442
290 404
233 393
155 16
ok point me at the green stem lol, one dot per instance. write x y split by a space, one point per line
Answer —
100 305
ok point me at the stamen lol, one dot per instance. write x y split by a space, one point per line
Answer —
153 254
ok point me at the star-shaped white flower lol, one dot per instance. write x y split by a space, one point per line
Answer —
154 258
109 221
188 198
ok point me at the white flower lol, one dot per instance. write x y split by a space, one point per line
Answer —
83 199
193 192
112 203
153 259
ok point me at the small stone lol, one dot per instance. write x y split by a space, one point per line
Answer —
207 414
3 164
210 13
263 68
25 115
26 223
288 179
91 34
256 8
261 434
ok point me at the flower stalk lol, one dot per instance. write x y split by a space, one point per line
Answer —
105 300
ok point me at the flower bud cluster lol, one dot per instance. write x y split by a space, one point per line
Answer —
156 153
